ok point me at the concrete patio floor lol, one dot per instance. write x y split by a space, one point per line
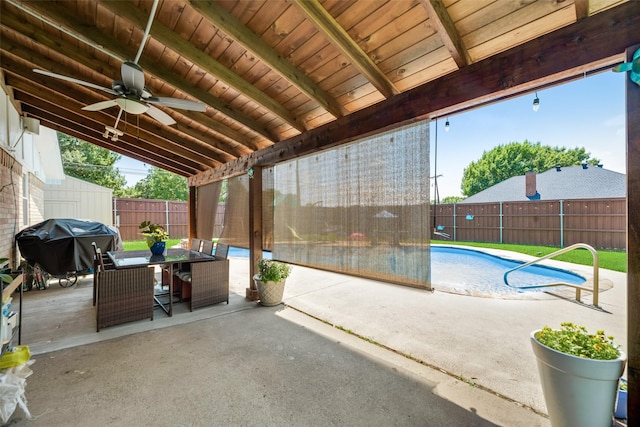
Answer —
427 358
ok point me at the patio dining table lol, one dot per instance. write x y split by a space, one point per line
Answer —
131 259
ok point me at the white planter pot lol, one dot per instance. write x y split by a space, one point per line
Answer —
577 391
270 293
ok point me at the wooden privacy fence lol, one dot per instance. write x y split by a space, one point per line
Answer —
173 215
600 223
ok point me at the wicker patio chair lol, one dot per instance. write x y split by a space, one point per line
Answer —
209 283
203 284
124 296
207 247
101 262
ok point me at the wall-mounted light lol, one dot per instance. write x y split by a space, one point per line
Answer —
536 103
446 125
250 172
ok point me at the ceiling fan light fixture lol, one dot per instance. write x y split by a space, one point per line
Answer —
132 106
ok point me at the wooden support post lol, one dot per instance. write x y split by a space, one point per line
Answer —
255 224
193 220
633 245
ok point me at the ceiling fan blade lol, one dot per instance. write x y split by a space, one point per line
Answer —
133 78
100 105
183 104
72 80
160 116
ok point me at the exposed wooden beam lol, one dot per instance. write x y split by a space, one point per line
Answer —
325 23
633 244
84 133
443 24
171 40
582 9
235 143
600 39
53 12
65 93
234 28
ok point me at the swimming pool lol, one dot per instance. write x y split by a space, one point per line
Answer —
476 272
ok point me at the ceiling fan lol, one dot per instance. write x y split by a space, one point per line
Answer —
131 94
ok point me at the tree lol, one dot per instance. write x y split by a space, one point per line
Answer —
515 159
90 163
163 185
450 200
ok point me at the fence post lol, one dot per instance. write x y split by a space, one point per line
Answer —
454 222
501 226
166 215
561 225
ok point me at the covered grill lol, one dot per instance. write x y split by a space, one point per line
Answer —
63 245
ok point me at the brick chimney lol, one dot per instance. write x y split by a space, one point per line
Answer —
530 184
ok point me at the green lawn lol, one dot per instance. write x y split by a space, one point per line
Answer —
138 245
611 260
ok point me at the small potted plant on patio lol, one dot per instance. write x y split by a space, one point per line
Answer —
156 236
579 373
270 281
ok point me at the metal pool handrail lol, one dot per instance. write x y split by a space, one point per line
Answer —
578 288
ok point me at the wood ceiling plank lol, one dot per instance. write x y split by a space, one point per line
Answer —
54 66
564 54
406 47
343 42
159 135
250 41
505 24
522 34
94 34
189 52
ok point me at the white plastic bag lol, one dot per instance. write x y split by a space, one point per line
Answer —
12 386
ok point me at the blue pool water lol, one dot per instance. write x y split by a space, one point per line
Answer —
476 272
472 270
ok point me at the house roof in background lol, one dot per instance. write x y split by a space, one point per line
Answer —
569 182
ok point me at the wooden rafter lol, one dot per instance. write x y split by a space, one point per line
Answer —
187 50
230 25
54 12
349 48
444 26
601 39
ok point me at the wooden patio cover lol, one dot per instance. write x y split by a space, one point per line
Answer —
281 79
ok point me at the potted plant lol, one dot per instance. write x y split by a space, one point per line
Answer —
579 373
270 281
156 236
5 276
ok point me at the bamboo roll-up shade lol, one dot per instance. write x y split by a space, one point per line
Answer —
236 216
360 209
207 197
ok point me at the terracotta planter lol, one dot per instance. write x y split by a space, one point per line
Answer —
577 391
270 293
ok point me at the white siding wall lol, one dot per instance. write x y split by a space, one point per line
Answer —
74 198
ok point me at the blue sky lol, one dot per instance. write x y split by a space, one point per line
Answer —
587 113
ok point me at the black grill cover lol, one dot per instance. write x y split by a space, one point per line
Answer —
64 245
